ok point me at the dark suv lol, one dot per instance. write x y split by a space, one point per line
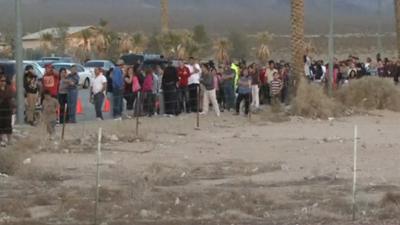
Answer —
9 70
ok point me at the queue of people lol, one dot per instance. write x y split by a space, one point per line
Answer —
192 87
189 87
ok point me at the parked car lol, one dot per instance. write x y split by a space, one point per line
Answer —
106 65
58 59
39 70
9 67
85 76
9 70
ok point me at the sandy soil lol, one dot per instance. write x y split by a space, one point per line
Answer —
231 171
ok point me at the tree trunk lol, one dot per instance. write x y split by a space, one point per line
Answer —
164 16
297 42
397 13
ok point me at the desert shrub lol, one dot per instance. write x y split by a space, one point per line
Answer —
391 198
9 162
370 93
312 102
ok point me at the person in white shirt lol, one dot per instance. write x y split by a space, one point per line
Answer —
97 92
194 83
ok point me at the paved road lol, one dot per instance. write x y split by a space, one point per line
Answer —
88 108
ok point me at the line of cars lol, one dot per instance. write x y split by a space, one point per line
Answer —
85 72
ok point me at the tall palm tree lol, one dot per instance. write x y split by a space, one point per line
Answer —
46 42
86 35
263 52
397 13
297 40
222 48
125 44
164 16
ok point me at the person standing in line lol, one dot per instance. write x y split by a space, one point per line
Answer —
31 92
194 83
128 92
63 95
158 71
109 93
72 81
207 79
118 89
269 77
148 96
169 84
50 81
228 76
183 89
276 90
7 107
97 92
49 114
155 90
255 87
244 91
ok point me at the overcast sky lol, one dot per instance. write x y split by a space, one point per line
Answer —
218 15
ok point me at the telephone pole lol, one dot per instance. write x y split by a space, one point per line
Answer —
331 48
18 63
380 49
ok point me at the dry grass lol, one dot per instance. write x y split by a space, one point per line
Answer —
391 198
312 102
371 93
40 174
10 162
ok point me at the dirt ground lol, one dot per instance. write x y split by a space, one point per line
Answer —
231 171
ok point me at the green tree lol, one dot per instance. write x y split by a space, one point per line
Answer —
153 45
263 52
240 46
200 35
46 42
222 48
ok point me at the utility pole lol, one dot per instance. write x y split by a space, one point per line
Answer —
380 49
18 63
331 48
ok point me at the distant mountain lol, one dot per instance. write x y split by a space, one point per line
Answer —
218 15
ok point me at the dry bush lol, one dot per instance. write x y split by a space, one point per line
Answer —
371 93
10 161
312 102
40 174
391 198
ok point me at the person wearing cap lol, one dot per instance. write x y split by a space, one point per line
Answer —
31 93
50 81
118 89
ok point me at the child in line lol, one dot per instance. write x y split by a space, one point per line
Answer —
49 114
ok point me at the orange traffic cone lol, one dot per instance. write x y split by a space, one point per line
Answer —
79 108
107 105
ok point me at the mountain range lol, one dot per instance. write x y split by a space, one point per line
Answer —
219 16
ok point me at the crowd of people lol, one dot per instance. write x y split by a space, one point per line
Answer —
192 87
352 68
189 87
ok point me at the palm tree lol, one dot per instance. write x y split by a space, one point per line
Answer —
164 16
86 35
126 43
397 13
263 52
139 42
222 48
46 42
297 40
